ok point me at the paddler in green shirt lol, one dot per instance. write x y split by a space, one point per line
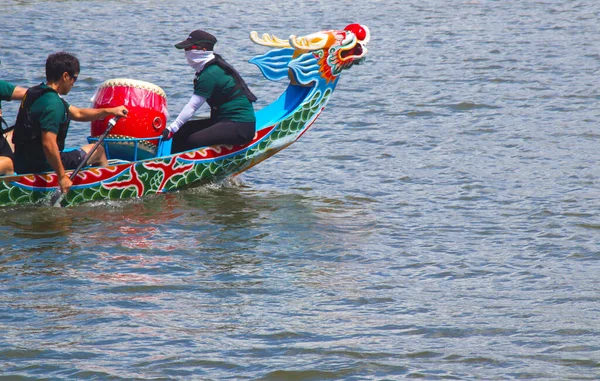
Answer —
43 122
232 120
8 92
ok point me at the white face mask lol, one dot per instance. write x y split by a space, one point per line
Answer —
198 58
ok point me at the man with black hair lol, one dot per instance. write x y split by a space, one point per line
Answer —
43 122
232 120
8 92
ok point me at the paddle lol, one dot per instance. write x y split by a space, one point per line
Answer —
57 195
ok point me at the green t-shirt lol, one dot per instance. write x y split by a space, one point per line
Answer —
214 80
50 110
6 91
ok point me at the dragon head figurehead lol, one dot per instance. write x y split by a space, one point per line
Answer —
333 50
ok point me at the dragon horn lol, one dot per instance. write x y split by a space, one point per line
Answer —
311 42
268 40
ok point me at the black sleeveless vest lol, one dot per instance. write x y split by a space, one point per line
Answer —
7 129
29 156
28 132
240 89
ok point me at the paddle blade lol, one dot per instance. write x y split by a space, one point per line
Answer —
56 198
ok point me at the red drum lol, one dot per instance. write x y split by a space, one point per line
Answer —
147 117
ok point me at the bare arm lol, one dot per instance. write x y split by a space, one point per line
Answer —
90 114
53 156
18 93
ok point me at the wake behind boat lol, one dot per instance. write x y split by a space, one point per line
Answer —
142 164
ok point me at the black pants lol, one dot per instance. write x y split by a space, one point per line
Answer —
5 149
24 163
204 132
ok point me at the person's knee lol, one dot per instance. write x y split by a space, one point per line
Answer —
247 132
99 155
6 166
100 151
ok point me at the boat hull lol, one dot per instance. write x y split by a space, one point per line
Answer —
169 173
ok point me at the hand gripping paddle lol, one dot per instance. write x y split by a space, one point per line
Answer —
58 195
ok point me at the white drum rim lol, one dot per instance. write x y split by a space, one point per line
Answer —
135 83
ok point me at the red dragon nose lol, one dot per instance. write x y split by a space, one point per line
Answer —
358 31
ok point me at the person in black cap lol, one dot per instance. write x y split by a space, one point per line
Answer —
232 120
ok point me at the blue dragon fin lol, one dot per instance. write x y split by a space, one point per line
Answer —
305 68
274 63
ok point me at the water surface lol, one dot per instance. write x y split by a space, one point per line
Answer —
438 221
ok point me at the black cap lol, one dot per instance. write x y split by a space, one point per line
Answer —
198 38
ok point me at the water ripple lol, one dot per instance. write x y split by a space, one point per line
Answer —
438 221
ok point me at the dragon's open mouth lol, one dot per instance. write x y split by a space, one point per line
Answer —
356 52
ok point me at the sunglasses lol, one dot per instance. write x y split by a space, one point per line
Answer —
74 77
193 47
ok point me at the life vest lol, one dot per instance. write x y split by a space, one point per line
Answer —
7 129
28 132
3 122
240 89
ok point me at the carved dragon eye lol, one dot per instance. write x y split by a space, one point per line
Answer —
358 31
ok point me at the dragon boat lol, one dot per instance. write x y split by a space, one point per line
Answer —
141 164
